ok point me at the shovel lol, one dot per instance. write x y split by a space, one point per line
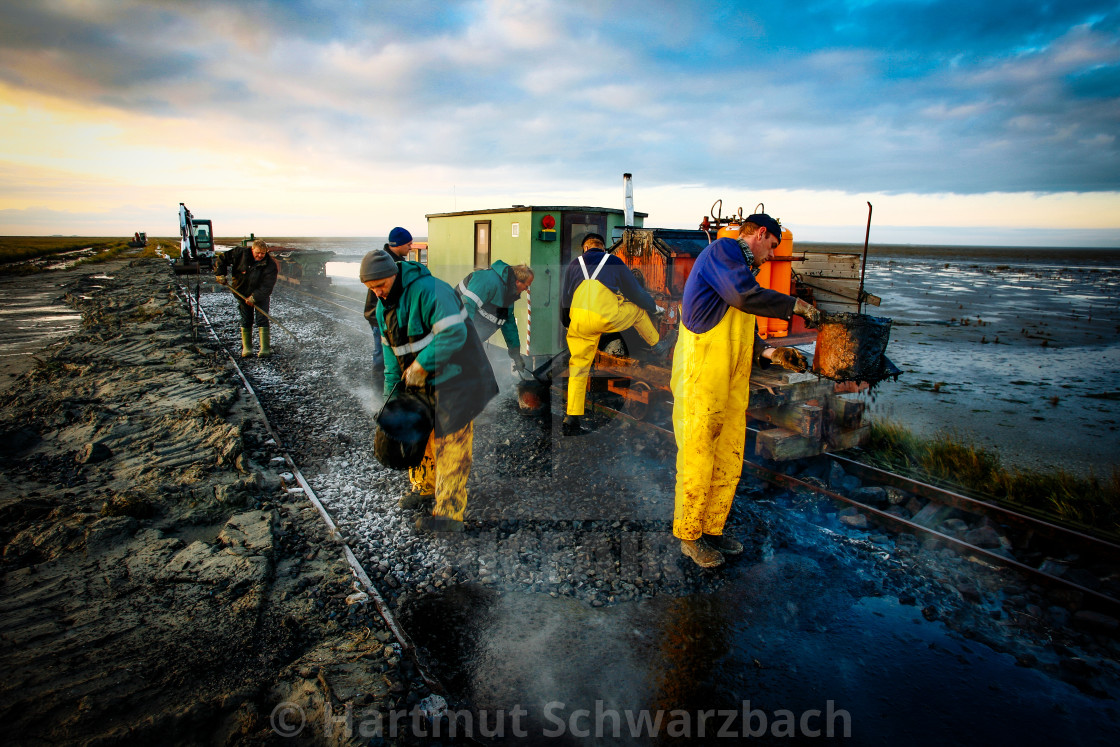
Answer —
266 316
534 388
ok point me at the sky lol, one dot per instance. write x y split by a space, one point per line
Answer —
991 123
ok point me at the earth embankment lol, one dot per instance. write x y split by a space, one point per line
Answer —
159 581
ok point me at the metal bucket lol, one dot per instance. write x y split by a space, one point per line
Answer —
533 395
851 347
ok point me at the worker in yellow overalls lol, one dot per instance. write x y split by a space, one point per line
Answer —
600 296
710 381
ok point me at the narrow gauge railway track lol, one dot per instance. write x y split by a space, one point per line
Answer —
1035 541
363 582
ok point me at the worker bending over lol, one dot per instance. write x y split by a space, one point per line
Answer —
254 277
489 295
430 347
711 375
600 296
398 246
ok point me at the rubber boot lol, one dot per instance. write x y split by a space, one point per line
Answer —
572 426
265 350
246 342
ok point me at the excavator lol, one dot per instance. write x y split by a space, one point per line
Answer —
196 243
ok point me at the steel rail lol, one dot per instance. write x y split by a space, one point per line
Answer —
1098 545
355 565
793 483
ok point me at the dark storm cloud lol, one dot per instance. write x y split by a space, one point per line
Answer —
857 96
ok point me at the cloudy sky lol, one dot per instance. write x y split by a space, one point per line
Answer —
963 122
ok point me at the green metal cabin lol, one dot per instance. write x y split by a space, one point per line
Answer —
461 242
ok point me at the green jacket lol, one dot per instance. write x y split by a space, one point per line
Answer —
496 290
423 320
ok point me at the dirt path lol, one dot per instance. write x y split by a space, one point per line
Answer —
159 582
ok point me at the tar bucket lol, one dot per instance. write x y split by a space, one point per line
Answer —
851 347
533 395
403 427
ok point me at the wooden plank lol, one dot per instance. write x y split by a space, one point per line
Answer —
846 289
838 306
802 418
849 439
828 274
846 411
779 445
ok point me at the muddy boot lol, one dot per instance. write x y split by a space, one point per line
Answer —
571 426
265 350
413 499
701 553
723 544
246 342
438 524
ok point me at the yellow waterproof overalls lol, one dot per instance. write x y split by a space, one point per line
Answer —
710 382
597 310
444 472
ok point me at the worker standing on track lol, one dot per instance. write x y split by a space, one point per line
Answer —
711 375
398 247
254 276
489 295
431 347
600 297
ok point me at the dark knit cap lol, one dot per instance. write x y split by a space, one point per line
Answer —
765 221
376 265
399 237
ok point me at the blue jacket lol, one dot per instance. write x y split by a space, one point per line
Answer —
615 275
721 279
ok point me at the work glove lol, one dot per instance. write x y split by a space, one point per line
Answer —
221 279
415 375
517 363
811 314
791 359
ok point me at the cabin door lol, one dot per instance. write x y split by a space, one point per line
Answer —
574 226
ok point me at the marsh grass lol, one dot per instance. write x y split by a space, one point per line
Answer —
20 255
947 460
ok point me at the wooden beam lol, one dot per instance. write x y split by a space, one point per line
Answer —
845 290
846 411
779 445
849 439
801 418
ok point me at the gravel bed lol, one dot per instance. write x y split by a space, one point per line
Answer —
589 518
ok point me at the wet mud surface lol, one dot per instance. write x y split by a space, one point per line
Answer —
159 584
1018 355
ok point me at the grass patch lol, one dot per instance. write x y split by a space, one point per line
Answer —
21 255
1088 501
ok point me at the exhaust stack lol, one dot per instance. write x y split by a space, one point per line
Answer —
628 186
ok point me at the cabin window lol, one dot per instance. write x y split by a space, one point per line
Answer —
481 244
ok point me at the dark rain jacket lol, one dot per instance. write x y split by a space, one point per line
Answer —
615 275
488 296
722 278
423 320
251 278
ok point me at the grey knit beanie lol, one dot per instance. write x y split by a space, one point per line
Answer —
376 265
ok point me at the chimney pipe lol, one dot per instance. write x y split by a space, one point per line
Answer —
628 185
